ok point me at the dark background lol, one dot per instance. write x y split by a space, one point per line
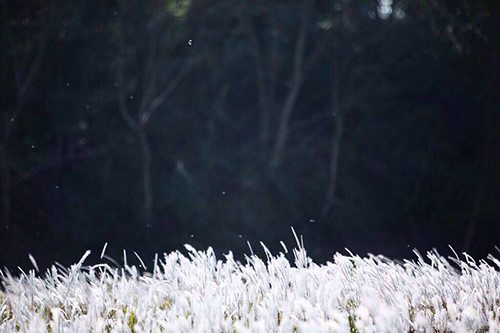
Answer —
371 125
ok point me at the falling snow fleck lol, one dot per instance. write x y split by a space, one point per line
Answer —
223 192
57 187
311 220
67 84
88 106
115 13
12 119
190 42
32 147
131 96
192 236
240 236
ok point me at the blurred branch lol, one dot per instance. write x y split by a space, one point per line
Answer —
299 125
146 179
22 89
188 64
297 78
120 78
8 123
152 98
484 162
52 163
419 183
314 57
337 110
307 145
263 92
150 75
169 88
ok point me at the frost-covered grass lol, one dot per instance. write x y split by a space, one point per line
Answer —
199 293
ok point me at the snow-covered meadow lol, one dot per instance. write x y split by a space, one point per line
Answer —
199 293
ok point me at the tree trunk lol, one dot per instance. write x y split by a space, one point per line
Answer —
485 169
334 163
483 172
293 93
471 228
147 188
337 140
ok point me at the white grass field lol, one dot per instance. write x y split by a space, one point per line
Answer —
198 293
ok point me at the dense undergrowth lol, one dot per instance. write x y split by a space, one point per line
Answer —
196 292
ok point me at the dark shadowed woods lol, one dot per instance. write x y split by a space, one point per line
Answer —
365 124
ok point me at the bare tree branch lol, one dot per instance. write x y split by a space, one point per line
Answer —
147 186
297 78
169 89
60 160
260 75
337 139
21 98
299 125
150 75
314 57
22 89
33 70
120 78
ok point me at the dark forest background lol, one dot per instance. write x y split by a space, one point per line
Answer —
366 124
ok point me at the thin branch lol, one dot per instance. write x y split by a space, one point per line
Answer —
33 70
168 90
419 183
58 161
273 70
314 57
120 78
173 81
150 75
22 89
298 73
147 186
299 125
337 109
260 72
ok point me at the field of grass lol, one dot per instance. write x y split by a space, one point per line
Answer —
196 292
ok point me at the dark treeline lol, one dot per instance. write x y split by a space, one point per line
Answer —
364 124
